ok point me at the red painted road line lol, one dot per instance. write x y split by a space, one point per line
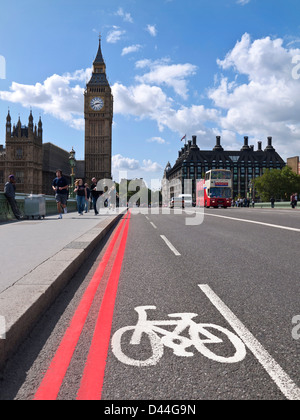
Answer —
93 376
53 378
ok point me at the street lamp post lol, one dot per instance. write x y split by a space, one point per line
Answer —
251 189
72 162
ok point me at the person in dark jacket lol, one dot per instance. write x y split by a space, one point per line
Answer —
272 202
10 194
95 194
61 188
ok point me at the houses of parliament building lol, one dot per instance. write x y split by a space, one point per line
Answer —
34 163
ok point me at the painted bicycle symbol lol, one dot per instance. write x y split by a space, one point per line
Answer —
199 336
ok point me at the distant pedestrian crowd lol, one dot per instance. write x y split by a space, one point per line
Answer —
242 202
85 195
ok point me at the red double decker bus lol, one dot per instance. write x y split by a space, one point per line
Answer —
215 190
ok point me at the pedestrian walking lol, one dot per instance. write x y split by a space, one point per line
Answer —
293 201
87 202
61 187
95 194
10 194
81 195
272 202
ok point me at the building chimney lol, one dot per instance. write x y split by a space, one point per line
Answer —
270 146
218 144
246 143
259 144
194 140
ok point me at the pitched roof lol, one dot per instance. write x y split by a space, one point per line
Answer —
99 58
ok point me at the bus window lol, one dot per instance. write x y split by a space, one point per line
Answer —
220 175
220 192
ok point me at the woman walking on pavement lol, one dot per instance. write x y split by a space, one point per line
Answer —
81 196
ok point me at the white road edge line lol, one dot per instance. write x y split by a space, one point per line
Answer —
254 222
278 375
172 248
151 223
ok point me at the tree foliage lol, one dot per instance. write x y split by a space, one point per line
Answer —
280 184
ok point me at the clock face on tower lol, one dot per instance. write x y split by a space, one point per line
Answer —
97 104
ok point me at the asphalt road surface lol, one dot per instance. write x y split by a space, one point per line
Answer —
233 283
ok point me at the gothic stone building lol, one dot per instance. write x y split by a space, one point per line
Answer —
98 114
245 165
22 155
33 163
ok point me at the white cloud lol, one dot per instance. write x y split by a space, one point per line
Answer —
115 35
144 101
243 2
171 75
126 16
122 163
260 59
259 97
55 96
269 103
134 169
131 49
157 140
149 166
151 29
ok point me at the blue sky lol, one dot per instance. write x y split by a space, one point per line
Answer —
194 67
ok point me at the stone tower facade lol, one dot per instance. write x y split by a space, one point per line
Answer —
98 113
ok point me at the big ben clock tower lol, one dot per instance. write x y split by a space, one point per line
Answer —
98 114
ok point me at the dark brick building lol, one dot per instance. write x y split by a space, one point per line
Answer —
245 164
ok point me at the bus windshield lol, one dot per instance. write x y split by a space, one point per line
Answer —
220 192
220 175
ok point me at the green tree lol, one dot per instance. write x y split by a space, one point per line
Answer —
280 184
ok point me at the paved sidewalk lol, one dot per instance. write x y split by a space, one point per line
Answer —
37 259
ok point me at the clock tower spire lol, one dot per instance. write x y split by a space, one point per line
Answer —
98 113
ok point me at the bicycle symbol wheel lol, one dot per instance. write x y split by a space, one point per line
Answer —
157 348
201 344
